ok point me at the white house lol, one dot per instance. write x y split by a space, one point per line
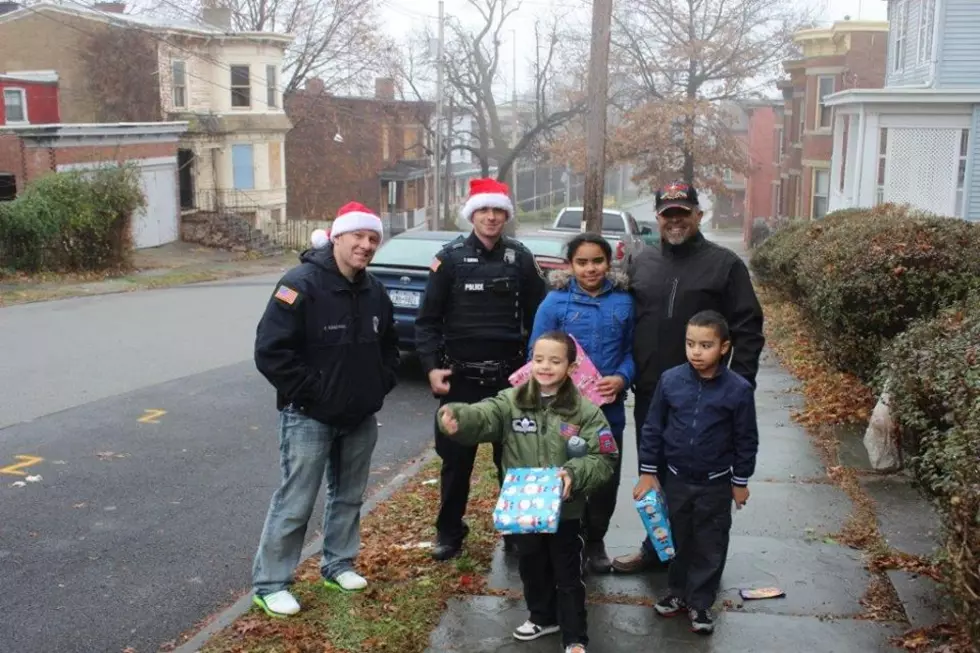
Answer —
915 140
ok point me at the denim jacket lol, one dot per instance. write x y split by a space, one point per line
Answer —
603 324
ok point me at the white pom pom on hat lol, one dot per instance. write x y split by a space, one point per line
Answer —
319 238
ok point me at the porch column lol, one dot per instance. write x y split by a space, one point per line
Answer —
835 201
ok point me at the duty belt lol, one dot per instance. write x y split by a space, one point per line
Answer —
485 372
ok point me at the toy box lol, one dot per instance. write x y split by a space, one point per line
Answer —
530 501
653 514
585 376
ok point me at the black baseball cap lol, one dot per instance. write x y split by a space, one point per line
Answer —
677 194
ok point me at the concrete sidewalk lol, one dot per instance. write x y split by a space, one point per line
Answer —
779 539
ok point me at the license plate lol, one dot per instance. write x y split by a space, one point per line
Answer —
405 298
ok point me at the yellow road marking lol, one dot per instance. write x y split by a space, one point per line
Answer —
150 416
25 461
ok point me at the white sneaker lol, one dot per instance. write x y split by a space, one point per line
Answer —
347 581
574 648
529 631
277 604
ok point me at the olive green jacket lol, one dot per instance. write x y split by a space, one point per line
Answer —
536 436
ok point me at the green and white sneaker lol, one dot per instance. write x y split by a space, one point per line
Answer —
279 604
346 581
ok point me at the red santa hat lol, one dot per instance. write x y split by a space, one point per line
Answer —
487 194
351 217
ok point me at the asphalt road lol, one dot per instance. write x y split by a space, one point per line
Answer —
139 529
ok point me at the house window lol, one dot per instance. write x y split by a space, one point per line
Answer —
899 41
825 114
178 70
241 87
271 87
243 171
15 104
385 143
802 114
727 175
821 194
777 146
961 171
882 156
927 22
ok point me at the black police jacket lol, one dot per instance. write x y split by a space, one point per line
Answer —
328 345
479 304
670 284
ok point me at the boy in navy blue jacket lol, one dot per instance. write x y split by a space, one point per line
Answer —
702 422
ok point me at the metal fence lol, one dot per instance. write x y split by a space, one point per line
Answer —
294 234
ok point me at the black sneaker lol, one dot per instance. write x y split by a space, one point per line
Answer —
701 622
529 631
669 606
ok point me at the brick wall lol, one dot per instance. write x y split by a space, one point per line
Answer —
11 162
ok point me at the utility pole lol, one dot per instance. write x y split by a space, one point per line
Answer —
513 99
598 90
434 226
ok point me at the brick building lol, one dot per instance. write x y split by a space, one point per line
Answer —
848 54
29 98
372 150
762 145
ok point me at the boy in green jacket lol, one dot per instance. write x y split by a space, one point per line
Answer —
534 422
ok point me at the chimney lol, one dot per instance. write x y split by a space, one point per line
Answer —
110 7
7 7
314 86
219 17
384 88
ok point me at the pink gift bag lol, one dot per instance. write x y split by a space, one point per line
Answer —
585 376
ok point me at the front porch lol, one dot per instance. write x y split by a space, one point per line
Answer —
404 196
905 146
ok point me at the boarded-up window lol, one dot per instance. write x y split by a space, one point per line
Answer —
275 164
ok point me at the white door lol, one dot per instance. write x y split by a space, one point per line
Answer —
159 222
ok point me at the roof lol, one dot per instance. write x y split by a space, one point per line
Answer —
31 76
154 23
898 95
405 171
839 27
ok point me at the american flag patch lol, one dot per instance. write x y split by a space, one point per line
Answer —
286 295
568 430
607 443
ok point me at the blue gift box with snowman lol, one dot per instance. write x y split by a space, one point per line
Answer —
530 501
653 514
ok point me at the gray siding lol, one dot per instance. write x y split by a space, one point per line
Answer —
972 182
913 73
959 42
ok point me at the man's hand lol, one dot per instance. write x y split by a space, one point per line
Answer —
741 495
566 483
448 420
439 381
646 483
611 386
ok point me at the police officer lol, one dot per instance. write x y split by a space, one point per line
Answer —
471 334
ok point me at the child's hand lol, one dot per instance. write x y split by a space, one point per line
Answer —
741 495
646 483
566 483
611 386
448 420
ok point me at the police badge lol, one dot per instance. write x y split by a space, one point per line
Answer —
510 255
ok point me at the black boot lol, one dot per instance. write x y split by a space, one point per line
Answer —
447 548
598 559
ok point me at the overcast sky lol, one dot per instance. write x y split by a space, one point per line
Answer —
405 17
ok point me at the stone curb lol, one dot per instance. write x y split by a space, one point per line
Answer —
227 616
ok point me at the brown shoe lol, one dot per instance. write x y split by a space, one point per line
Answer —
633 563
598 559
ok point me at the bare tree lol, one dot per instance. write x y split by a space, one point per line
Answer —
684 56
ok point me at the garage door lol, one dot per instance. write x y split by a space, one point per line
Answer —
159 222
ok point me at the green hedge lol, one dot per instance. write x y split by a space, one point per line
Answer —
862 276
71 221
933 376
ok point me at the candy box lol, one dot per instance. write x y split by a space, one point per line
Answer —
530 501
653 514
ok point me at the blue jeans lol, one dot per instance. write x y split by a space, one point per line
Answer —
311 452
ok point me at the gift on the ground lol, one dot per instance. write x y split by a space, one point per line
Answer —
653 514
585 376
530 501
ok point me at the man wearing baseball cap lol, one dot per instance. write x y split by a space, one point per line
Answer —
671 283
327 344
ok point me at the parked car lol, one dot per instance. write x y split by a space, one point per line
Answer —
618 227
548 249
650 232
402 265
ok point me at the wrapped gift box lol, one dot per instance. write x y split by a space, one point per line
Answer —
530 501
585 376
653 514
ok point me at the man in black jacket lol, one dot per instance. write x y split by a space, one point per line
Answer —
328 345
687 274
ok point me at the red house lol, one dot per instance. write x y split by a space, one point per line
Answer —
29 98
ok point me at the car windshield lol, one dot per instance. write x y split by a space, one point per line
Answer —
408 252
572 219
545 246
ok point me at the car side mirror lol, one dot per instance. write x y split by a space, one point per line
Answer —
646 231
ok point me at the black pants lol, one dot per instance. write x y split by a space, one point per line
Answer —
601 504
641 407
700 522
457 463
551 570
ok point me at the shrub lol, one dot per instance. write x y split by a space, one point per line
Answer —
862 276
933 375
71 221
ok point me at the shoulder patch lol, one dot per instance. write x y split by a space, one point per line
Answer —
607 443
436 263
286 295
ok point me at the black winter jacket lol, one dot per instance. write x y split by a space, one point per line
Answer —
670 284
328 345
